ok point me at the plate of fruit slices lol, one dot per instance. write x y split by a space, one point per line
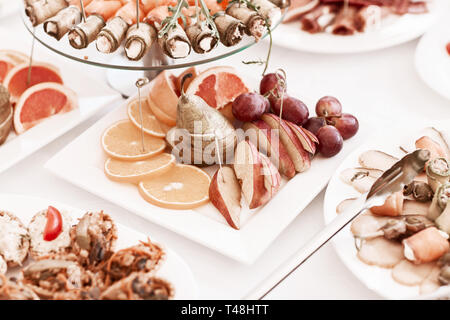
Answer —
170 267
181 197
65 99
375 247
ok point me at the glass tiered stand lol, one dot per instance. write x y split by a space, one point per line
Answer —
121 72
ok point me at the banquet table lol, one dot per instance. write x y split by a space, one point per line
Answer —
381 87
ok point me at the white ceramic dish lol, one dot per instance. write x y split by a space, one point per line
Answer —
393 31
204 225
174 269
432 60
377 279
92 97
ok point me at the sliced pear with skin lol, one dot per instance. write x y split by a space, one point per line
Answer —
374 159
361 179
225 195
272 178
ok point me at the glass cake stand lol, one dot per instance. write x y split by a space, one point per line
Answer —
122 72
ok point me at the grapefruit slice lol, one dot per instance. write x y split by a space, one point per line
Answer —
41 102
135 171
8 60
161 115
163 93
182 187
150 124
16 79
218 86
123 141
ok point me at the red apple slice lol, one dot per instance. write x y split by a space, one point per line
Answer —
267 144
249 170
272 178
294 148
304 139
225 195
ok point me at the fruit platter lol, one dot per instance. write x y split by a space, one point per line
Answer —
341 26
50 251
225 187
39 100
401 248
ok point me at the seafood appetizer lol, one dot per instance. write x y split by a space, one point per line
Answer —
348 17
30 95
76 262
409 233
223 143
178 27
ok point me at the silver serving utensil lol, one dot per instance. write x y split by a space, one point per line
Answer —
394 179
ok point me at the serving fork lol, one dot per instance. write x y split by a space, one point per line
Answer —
392 180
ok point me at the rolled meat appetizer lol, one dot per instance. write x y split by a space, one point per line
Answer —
60 24
3 266
128 13
145 257
438 173
318 19
344 23
298 8
267 10
201 37
175 43
40 10
11 290
440 201
14 243
231 30
426 246
139 40
49 232
254 22
139 286
84 33
93 239
112 35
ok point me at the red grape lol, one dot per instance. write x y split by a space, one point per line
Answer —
314 124
330 141
294 110
270 82
249 106
347 125
328 107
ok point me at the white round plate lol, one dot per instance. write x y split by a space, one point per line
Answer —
432 60
173 269
377 279
393 31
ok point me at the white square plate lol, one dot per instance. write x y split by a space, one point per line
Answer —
204 225
92 97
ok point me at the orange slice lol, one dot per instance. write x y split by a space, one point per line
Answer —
150 124
123 141
182 187
218 86
160 115
135 171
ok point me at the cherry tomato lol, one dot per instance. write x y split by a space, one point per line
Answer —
54 224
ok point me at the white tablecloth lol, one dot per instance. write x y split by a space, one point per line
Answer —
383 84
